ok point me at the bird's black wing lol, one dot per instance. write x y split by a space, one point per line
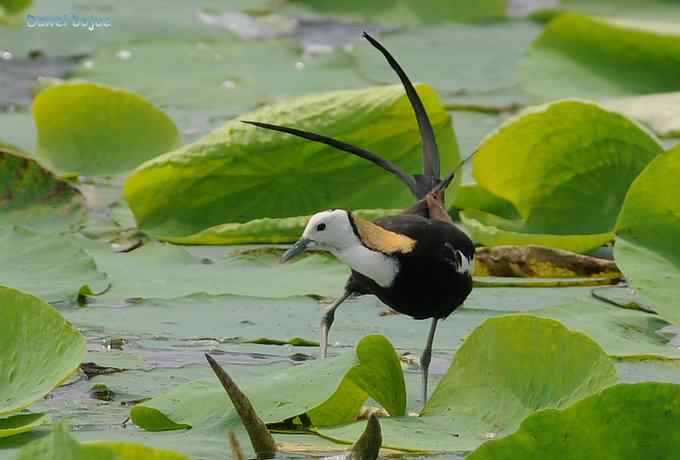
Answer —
430 176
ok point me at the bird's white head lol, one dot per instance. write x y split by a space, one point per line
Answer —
330 230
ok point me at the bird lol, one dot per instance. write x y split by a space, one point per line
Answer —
417 262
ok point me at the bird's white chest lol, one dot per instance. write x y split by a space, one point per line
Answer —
377 266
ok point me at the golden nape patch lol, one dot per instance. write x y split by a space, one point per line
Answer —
382 240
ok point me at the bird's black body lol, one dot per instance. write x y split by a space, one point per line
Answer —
426 260
429 283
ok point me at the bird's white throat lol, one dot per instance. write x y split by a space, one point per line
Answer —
375 265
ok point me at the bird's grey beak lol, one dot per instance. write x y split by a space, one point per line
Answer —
296 249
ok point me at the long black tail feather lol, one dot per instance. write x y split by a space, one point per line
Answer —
430 175
419 184
344 146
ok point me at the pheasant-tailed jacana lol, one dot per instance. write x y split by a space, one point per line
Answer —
417 262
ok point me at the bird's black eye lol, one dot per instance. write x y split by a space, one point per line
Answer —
321 227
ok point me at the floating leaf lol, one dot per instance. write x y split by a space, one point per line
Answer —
579 56
52 267
241 173
556 165
624 421
329 391
38 349
32 196
60 445
622 333
507 368
96 129
646 247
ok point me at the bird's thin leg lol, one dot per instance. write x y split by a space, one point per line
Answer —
327 322
427 357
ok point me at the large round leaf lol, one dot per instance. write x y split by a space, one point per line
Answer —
647 234
239 173
578 56
622 422
38 349
329 391
525 357
508 368
95 129
566 168
32 196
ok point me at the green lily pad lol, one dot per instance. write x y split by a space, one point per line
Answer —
243 173
508 368
329 391
622 333
646 247
264 230
61 445
624 421
21 423
96 129
554 164
32 196
580 56
405 12
38 349
51 267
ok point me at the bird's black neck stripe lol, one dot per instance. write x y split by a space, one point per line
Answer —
354 225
